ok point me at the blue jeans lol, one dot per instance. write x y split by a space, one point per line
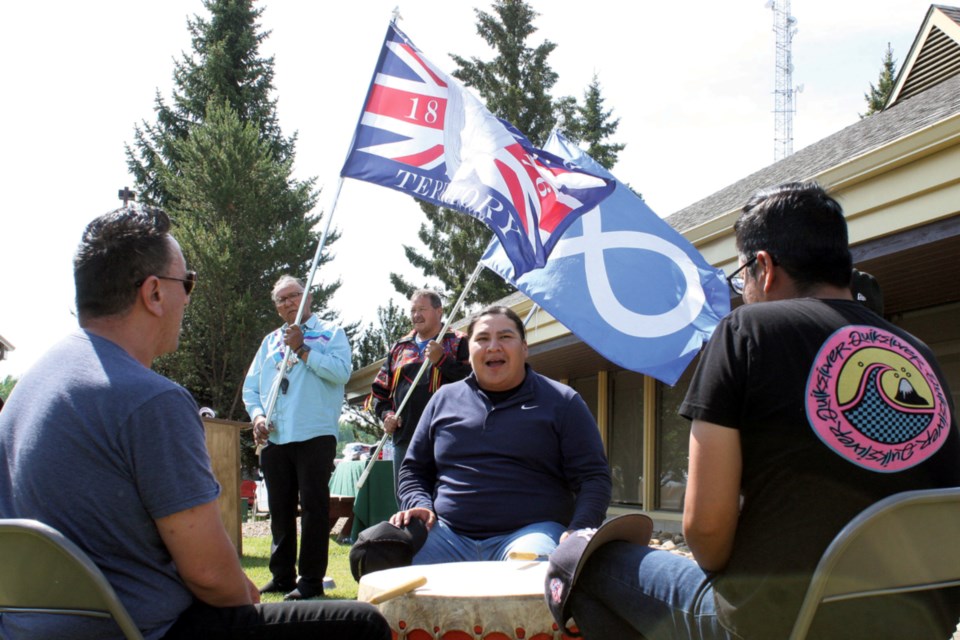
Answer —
445 545
632 591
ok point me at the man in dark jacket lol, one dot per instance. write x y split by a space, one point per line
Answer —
448 363
506 460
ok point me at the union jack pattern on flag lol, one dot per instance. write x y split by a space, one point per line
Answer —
423 133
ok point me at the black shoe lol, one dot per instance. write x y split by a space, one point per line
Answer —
303 592
277 587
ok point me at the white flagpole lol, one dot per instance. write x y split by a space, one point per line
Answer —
275 389
533 310
423 368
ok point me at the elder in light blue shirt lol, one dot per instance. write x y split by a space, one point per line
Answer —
311 404
301 440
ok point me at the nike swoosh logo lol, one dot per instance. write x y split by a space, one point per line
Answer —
525 407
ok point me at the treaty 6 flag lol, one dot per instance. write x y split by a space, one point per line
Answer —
423 133
625 282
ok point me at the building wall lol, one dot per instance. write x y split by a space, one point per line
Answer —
940 328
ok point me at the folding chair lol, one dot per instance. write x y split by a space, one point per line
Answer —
877 552
43 572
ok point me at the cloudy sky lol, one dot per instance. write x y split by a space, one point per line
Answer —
692 84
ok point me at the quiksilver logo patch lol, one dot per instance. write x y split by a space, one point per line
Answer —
875 400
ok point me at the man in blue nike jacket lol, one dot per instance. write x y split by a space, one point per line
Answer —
504 461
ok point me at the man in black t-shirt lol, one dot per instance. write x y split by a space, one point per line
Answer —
807 408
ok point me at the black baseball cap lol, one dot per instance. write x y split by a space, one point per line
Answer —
386 546
571 555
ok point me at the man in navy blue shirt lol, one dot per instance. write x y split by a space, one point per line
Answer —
504 461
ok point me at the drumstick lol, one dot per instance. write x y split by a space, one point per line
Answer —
399 590
525 555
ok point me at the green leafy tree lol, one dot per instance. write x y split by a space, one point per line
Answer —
455 244
216 160
374 343
227 187
227 198
225 65
356 422
878 95
358 425
592 125
516 86
6 386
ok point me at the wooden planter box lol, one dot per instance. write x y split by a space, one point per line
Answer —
223 445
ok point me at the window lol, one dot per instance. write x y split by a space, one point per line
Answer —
673 441
625 438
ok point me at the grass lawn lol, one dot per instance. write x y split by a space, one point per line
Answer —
256 556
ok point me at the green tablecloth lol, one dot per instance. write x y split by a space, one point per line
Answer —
343 481
376 500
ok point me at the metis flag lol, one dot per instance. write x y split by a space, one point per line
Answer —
625 282
423 133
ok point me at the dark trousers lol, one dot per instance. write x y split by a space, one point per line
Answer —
327 619
299 472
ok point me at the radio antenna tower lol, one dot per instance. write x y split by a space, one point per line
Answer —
785 102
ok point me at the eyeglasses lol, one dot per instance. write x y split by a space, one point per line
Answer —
188 283
736 281
293 296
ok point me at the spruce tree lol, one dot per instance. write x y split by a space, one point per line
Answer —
374 343
516 83
216 160
878 95
593 126
6 386
219 197
225 65
516 86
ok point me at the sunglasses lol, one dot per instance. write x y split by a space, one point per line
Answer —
188 283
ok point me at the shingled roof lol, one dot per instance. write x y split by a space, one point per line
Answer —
905 116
